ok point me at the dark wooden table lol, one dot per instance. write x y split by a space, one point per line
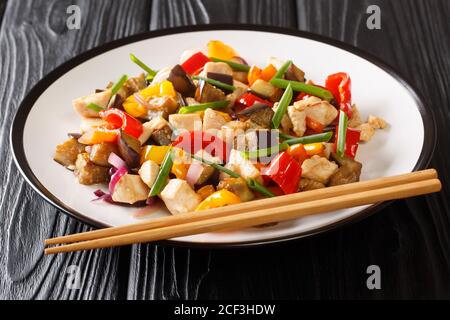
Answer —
409 240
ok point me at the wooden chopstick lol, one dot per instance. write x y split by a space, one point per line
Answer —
252 218
247 206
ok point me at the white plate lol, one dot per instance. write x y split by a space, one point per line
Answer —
46 116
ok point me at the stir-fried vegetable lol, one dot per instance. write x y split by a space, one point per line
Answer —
216 83
280 73
250 182
248 99
341 133
303 87
118 119
321 137
203 107
282 107
265 74
116 87
154 153
95 107
163 174
151 73
339 84
298 152
285 171
266 152
218 199
215 131
220 50
99 135
351 142
236 66
256 186
313 149
195 63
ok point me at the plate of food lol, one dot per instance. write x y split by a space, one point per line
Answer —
188 119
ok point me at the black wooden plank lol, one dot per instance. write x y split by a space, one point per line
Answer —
33 41
2 10
171 13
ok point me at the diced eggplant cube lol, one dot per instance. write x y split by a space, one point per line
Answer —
89 173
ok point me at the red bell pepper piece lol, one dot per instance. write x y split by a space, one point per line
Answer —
194 141
301 96
248 99
317 127
351 142
118 119
195 62
339 84
285 171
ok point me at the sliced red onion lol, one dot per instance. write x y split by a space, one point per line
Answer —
112 170
116 177
194 173
151 201
101 195
141 100
239 60
116 161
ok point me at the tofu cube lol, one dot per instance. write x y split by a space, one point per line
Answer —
130 189
242 166
100 98
179 197
298 119
318 169
148 172
185 122
213 120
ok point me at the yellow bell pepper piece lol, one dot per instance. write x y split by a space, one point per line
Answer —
134 108
154 153
218 199
205 191
313 149
218 49
166 89
162 89
180 170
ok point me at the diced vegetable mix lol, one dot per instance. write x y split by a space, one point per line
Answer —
214 131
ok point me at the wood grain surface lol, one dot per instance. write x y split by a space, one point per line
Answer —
409 240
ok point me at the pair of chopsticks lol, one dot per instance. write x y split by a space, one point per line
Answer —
254 213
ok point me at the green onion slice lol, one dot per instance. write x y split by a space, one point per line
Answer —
280 73
151 72
265 152
282 107
303 87
342 133
256 186
321 137
162 174
203 106
234 65
216 83
116 87
216 166
95 107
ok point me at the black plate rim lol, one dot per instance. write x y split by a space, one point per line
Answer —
16 132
